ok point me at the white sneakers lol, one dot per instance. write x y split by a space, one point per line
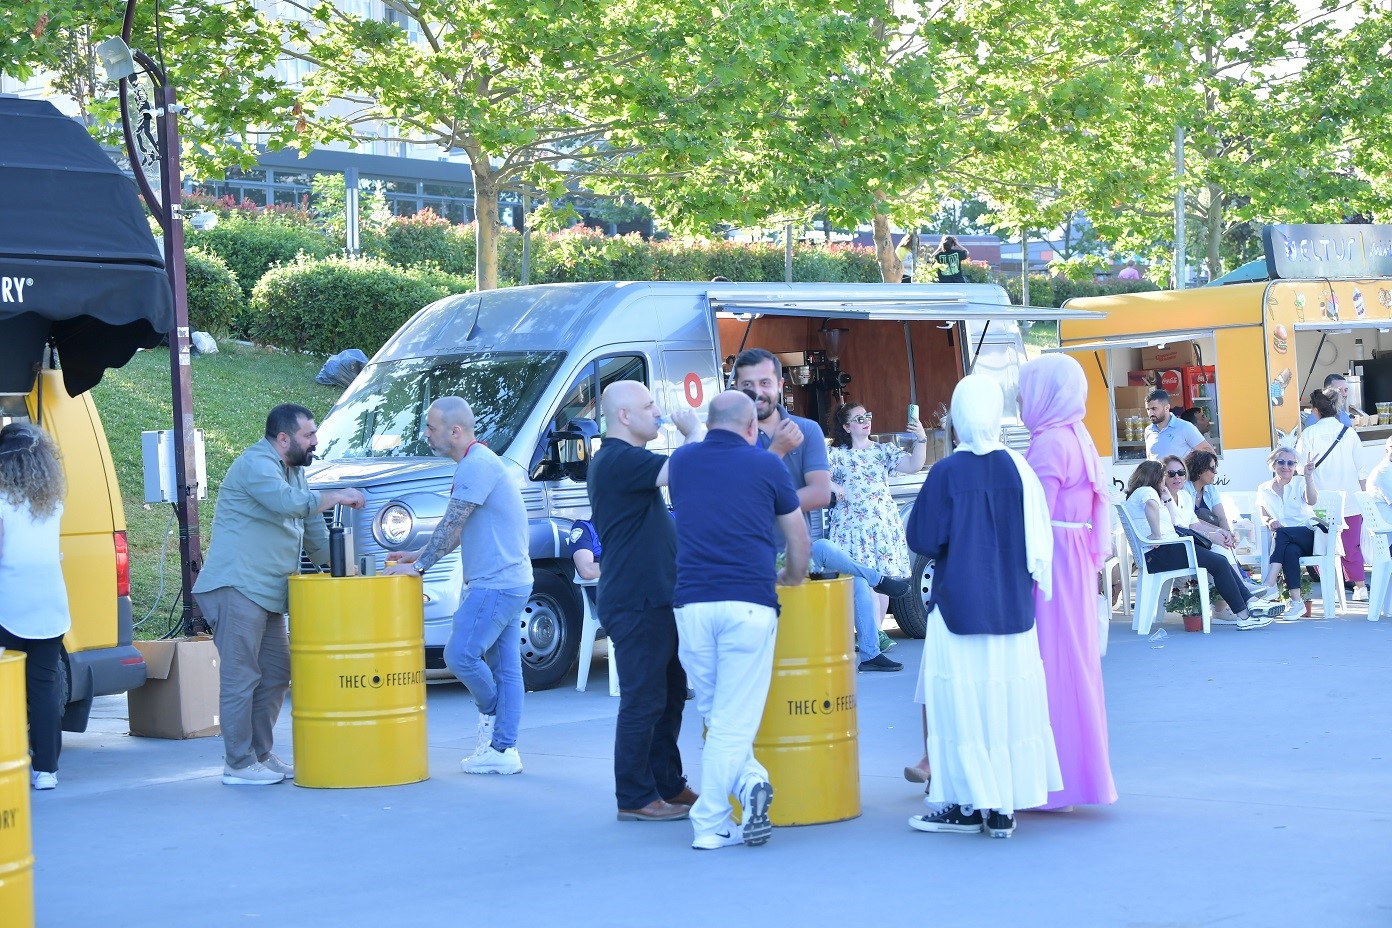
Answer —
251 775
1360 594
276 765
42 779
491 760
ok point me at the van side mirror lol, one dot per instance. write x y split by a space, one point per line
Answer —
567 453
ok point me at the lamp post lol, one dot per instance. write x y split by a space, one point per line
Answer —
152 143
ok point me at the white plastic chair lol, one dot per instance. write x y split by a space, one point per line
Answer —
1150 586
1121 563
589 632
1377 535
1331 585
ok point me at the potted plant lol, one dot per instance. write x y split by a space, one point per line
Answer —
1184 602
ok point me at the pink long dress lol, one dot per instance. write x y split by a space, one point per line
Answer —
1053 391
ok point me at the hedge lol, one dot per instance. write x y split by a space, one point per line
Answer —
251 246
325 306
215 300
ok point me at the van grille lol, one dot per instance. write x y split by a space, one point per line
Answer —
361 521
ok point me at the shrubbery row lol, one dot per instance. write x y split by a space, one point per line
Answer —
277 280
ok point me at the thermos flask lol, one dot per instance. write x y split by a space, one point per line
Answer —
338 553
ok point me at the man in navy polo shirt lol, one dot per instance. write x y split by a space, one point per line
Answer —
728 494
635 603
801 444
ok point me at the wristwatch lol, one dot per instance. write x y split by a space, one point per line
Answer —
420 568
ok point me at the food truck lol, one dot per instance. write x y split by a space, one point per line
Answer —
1248 352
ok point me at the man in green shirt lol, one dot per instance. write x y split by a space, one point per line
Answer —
266 513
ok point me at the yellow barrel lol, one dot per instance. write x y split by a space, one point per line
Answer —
16 854
357 666
808 736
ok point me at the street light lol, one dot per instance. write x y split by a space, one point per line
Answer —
152 144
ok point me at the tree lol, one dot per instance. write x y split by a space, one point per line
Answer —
531 90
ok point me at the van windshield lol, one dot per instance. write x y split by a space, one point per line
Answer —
383 413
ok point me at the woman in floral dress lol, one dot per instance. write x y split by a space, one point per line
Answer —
865 521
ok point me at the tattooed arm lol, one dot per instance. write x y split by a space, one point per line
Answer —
444 540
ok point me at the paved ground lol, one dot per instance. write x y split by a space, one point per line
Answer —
1253 771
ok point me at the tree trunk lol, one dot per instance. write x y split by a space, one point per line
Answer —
486 225
891 268
1214 231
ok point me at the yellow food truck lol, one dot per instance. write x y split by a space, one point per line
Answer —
1248 353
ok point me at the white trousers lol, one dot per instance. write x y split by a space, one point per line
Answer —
727 650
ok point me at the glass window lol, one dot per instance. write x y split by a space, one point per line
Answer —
383 412
623 367
581 401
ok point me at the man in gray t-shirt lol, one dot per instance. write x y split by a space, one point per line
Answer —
487 520
802 446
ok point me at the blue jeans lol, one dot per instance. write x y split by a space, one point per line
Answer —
485 652
827 557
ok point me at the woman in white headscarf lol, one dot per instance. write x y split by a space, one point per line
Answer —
982 518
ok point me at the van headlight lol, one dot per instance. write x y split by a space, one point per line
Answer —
395 523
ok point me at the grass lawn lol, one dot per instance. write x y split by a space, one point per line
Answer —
232 392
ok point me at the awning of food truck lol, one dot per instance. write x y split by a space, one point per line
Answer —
1154 340
944 308
79 266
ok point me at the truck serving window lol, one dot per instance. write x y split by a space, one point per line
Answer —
383 414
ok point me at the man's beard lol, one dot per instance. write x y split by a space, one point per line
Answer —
302 457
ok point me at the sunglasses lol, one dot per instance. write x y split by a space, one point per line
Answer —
1174 473
862 418
1281 463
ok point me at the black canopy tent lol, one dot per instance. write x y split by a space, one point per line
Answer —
79 266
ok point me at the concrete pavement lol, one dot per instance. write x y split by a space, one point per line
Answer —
1253 769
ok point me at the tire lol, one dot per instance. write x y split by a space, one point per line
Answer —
550 629
908 609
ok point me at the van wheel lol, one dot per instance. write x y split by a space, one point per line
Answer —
550 631
908 609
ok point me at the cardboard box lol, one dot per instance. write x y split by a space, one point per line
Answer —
180 695
1129 397
1174 354
1125 412
1140 379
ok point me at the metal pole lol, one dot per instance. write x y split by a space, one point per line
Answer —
1181 269
526 238
352 213
166 210
787 252
1024 267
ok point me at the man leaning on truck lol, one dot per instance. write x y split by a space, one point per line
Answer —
265 514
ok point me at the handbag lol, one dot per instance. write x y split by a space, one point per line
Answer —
1199 540
1321 540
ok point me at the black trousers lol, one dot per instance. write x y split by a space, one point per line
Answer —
1225 579
43 686
652 696
1290 545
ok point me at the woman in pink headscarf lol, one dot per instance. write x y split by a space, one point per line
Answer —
1053 394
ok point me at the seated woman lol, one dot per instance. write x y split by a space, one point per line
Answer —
1285 503
1147 510
1222 540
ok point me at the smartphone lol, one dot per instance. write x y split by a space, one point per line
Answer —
913 411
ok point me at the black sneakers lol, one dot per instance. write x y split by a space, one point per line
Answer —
954 821
999 825
893 587
880 663
951 820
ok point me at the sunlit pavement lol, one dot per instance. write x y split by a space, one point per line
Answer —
1252 766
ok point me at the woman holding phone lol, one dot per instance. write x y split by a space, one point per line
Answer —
864 521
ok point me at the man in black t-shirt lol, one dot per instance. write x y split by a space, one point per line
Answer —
635 603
